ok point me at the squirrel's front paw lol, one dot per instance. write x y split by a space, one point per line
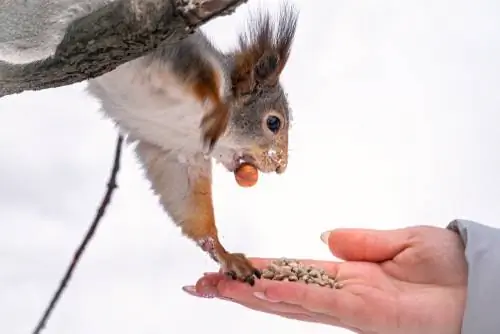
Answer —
237 266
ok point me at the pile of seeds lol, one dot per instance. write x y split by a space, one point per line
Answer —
294 271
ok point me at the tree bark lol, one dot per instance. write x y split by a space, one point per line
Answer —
111 36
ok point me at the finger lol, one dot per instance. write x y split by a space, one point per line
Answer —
347 306
320 319
291 314
255 296
367 245
265 305
206 286
334 302
244 293
304 317
338 303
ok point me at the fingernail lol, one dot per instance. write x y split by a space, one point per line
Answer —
191 289
325 236
262 296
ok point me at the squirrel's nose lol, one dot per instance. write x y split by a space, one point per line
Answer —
279 159
281 168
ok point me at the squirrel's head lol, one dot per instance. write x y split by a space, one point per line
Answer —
260 115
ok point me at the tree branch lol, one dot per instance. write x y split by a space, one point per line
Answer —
88 236
118 32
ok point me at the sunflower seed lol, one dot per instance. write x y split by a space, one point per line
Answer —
294 271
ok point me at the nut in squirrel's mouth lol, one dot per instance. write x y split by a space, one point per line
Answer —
234 161
265 163
239 160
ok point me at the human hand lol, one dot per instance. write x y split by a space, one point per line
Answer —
411 280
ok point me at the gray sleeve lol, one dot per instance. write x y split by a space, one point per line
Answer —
482 252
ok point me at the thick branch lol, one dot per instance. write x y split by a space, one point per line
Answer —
115 34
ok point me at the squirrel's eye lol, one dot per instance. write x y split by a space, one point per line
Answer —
273 124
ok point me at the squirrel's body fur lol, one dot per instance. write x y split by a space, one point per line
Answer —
186 96
156 107
151 102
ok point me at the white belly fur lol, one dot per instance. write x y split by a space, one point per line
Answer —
150 103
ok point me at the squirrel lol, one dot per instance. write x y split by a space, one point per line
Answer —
188 102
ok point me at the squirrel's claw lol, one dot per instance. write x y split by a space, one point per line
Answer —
234 265
237 266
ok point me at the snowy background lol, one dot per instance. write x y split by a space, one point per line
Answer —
397 120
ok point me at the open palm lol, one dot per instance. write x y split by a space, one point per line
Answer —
403 281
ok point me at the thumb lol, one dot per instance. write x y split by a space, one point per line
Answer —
366 245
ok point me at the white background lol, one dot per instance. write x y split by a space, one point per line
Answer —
396 110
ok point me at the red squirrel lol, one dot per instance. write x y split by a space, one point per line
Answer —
187 102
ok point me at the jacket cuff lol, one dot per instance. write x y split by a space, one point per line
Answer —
482 253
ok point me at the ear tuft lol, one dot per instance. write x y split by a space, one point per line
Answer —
263 49
267 66
242 76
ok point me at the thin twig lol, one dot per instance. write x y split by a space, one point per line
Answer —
88 236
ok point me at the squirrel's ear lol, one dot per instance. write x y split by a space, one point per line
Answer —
267 69
263 50
243 75
250 71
